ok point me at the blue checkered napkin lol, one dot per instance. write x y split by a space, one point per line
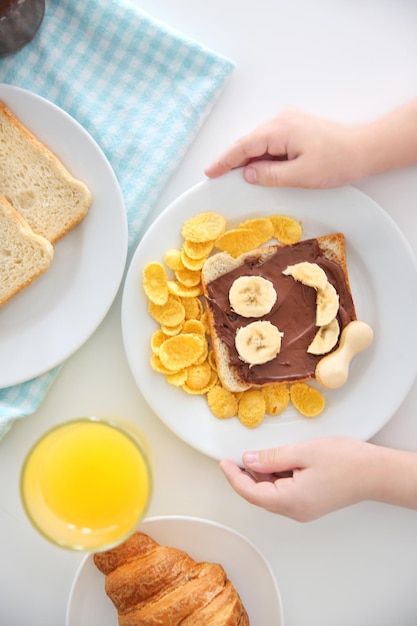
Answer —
141 89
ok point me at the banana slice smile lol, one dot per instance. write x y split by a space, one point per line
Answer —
325 338
309 274
327 304
252 296
258 342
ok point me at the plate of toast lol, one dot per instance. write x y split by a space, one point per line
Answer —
189 569
60 207
331 297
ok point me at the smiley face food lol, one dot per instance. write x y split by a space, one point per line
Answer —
153 584
249 326
291 303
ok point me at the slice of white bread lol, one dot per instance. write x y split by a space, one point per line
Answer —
35 181
332 247
23 255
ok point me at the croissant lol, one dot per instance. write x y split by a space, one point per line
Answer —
154 585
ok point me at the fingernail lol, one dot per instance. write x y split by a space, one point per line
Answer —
250 175
250 457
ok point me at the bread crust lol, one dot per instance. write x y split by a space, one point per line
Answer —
37 183
331 246
24 255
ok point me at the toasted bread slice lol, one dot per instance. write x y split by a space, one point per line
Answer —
36 183
23 255
293 364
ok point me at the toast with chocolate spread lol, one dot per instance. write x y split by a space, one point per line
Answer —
294 312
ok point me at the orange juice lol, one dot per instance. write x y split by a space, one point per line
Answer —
86 484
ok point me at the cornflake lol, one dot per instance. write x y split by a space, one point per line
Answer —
171 313
277 398
182 351
307 399
251 408
237 241
155 283
286 229
261 227
222 402
204 227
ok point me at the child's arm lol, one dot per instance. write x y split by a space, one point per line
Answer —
307 480
299 150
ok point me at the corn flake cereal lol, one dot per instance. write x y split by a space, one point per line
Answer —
222 402
188 278
197 250
204 390
251 408
204 355
178 289
262 227
212 360
198 376
157 339
181 351
194 326
286 229
306 399
277 398
170 331
157 365
204 227
237 241
191 264
172 259
193 308
155 283
171 313
177 378
204 320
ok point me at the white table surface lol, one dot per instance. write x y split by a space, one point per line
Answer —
345 60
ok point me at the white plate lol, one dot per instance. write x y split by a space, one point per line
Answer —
383 276
204 540
58 312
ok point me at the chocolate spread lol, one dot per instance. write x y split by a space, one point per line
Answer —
294 312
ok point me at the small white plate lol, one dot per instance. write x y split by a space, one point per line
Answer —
58 312
383 277
204 540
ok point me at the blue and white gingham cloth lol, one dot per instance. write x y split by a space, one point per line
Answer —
142 91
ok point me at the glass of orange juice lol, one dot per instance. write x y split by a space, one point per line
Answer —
87 483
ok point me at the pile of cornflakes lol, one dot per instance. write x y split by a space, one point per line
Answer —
181 348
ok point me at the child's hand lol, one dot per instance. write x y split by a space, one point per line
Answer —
295 150
306 480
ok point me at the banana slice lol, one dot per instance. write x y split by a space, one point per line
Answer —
252 296
258 342
309 274
327 305
325 339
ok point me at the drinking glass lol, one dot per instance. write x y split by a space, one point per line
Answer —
87 483
19 23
